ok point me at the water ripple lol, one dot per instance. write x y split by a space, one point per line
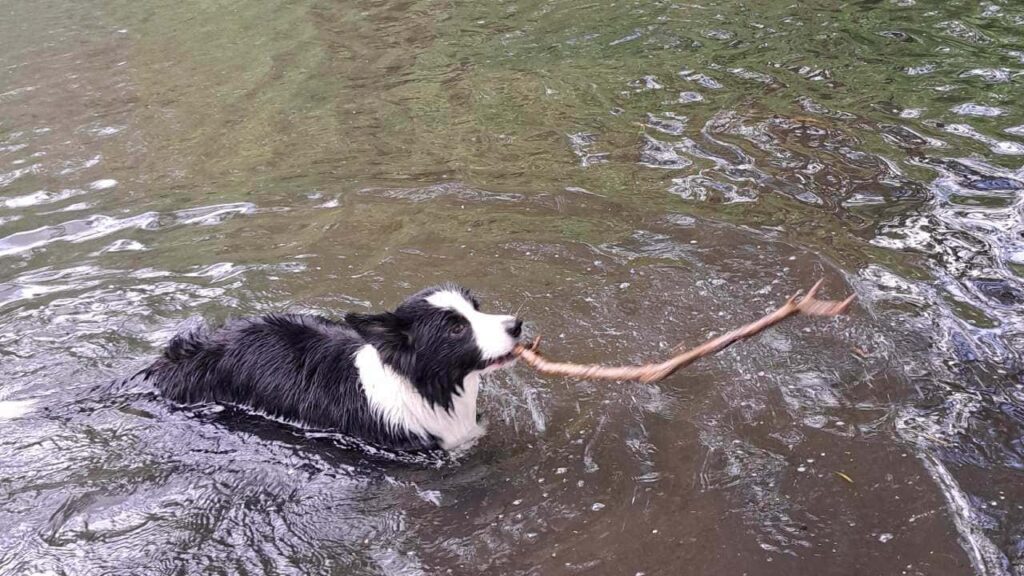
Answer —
99 225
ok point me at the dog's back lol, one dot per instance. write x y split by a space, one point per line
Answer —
297 368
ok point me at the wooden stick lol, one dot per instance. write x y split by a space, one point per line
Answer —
808 305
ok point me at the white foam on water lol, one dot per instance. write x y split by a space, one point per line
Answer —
10 409
39 197
103 184
975 109
985 556
215 214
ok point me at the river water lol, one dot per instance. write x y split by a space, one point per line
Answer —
627 175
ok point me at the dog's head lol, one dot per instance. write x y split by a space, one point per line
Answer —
439 336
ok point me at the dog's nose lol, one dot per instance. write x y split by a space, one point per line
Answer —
514 327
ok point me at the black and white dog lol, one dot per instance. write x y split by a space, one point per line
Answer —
403 380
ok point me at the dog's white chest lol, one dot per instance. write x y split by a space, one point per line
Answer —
461 426
394 399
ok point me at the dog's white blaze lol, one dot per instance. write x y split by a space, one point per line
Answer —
394 399
489 330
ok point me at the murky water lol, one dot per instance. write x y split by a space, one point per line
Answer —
629 175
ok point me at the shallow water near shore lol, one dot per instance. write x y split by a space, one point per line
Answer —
627 176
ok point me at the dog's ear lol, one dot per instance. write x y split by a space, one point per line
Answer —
384 325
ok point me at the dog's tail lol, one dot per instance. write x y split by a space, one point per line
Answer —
192 338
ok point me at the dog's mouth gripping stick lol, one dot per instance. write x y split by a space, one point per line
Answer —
808 305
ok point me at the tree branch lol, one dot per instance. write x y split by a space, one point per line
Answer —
808 306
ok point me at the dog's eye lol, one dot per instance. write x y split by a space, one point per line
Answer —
457 329
476 304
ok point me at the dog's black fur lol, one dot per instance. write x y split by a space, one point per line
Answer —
300 368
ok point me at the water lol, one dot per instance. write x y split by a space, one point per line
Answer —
629 175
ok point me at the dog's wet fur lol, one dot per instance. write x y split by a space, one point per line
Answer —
402 380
